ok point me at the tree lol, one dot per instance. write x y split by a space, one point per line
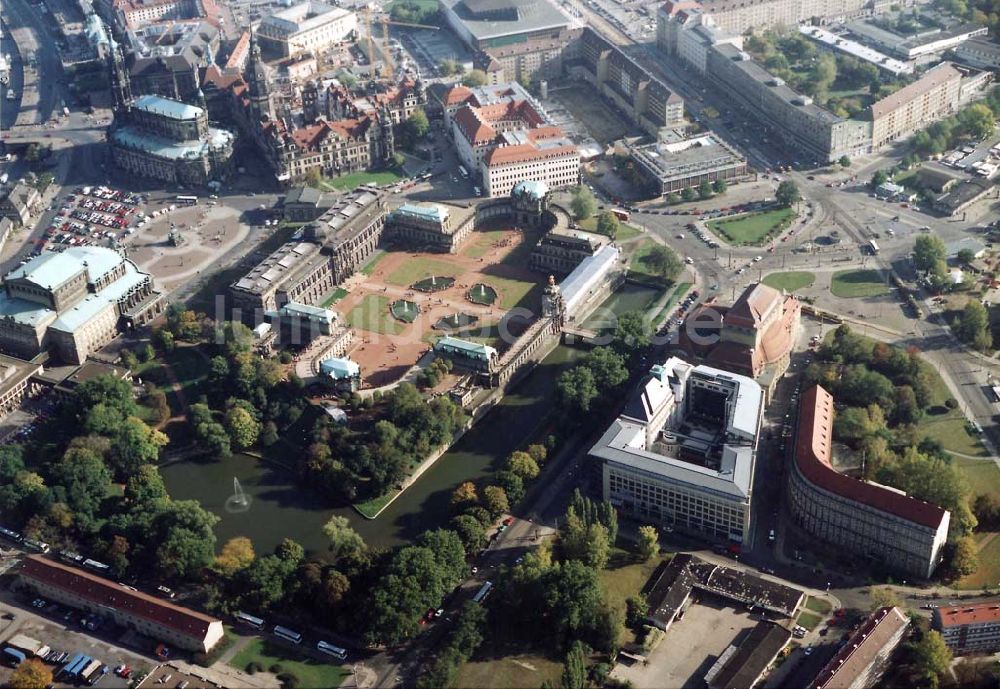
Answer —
495 501
932 655
844 161
269 434
416 126
145 486
522 464
649 542
673 198
472 533
929 252
242 427
664 262
185 542
574 674
344 540
965 256
538 453
632 334
449 67
787 194
31 674
576 390
636 609
608 367
135 444
464 495
237 554
964 558
688 194
883 597
583 203
973 325
476 77
705 189
719 186
608 224
878 179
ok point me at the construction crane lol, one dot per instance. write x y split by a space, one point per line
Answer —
384 48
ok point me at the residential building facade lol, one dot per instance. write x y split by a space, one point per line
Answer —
159 619
876 522
931 97
307 27
969 628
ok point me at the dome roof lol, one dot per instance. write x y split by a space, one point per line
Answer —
537 190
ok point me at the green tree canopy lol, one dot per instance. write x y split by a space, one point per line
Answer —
583 204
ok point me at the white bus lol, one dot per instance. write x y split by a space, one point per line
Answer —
288 634
483 592
187 200
250 620
462 171
873 247
331 650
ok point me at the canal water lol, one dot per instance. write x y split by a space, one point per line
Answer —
279 508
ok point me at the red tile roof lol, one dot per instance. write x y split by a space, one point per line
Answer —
755 302
473 127
457 94
107 593
813 443
854 658
979 613
522 153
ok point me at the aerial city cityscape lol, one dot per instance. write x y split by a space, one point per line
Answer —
500 344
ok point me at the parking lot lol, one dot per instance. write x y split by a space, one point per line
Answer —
58 627
92 216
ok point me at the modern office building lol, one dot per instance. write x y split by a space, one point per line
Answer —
860 663
740 16
969 628
672 166
485 24
919 46
150 616
876 522
307 27
682 453
644 99
73 302
685 31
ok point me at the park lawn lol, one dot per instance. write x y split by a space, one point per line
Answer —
528 670
752 229
982 475
424 5
369 267
513 292
372 314
858 283
369 509
950 430
809 620
356 179
417 269
337 295
625 577
311 672
481 243
988 573
818 605
638 263
625 231
790 281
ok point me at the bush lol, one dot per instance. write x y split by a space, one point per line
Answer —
276 669
254 667
951 403
288 680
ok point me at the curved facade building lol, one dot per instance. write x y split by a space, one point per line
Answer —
877 522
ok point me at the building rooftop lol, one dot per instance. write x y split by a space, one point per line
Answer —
493 19
49 270
303 17
285 260
339 368
985 612
535 189
312 313
136 138
681 159
855 657
100 592
591 271
167 107
475 350
741 666
347 216
84 310
856 49
813 446
428 212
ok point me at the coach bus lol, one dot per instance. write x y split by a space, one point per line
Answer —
620 213
483 592
250 620
873 247
187 200
331 650
288 634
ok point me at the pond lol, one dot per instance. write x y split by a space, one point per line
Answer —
279 508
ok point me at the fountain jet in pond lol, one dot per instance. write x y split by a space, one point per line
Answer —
238 501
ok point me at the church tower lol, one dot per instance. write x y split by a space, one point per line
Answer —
121 82
260 91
